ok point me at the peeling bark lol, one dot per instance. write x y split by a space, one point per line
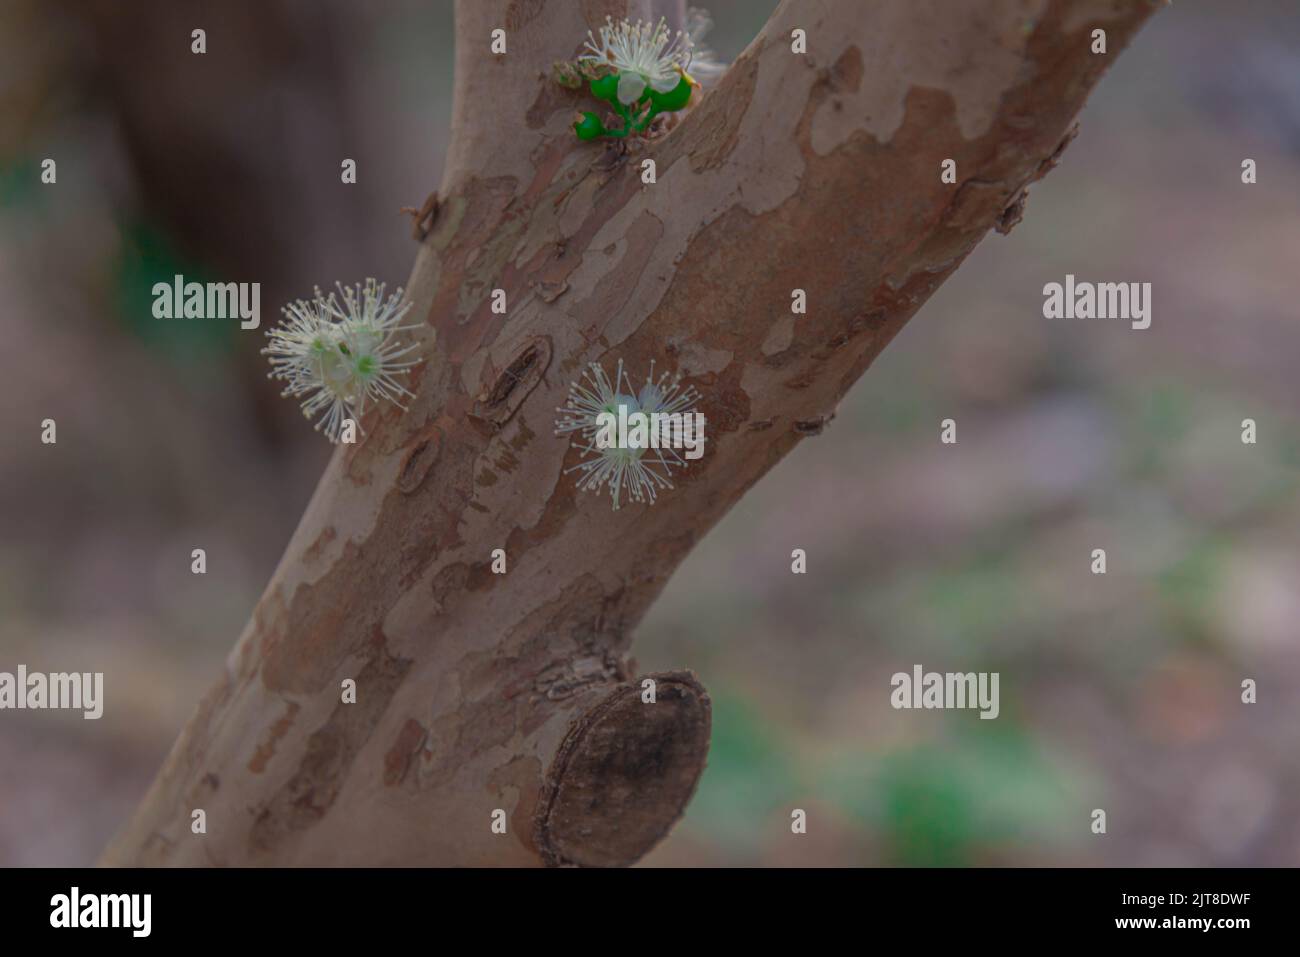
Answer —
479 691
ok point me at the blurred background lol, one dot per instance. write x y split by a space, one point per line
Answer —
1119 691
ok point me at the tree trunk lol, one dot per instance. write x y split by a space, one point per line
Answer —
479 691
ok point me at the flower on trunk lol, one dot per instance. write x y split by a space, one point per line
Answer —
641 54
337 356
610 460
640 69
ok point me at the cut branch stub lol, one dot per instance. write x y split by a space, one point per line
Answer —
624 773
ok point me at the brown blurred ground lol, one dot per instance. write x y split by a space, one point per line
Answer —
1120 692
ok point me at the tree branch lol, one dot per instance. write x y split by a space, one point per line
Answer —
479 691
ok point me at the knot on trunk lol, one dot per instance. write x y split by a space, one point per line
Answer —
625 772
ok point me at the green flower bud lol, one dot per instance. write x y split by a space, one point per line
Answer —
588 126
674 99
605 87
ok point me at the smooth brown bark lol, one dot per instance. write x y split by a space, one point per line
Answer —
479 691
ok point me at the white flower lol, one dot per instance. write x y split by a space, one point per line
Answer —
302 339
643 54
640 472
705 65
341 356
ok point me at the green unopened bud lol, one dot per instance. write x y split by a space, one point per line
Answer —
605 87
588 126
674 99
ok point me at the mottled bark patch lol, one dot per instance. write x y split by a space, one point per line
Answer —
266 749
845 75
595 11
717 119
551 98
522 12
330 751
313 551
398 759
303 644
778 337
607 308
523 775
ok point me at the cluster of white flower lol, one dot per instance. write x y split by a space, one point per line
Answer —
642 53
647 54
337 357
637 471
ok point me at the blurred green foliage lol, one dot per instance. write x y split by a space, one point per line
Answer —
948 802
20 178
146 258
747 778
1188 588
